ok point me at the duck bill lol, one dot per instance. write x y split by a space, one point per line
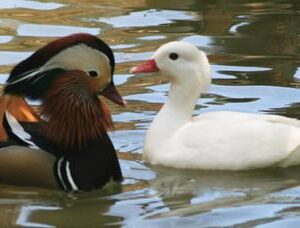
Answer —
147 67
111 93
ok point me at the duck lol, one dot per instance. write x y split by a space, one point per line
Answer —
62 143
219 140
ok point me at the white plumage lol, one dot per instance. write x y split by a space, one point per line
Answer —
217 140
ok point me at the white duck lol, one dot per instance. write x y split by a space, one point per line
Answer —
216 140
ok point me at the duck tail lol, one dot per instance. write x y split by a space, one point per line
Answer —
19 108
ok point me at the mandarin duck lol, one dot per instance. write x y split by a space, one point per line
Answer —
64 143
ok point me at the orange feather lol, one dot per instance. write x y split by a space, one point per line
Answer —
18 107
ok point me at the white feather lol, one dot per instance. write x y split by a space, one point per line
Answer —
19 131
217 140
59 162
70 178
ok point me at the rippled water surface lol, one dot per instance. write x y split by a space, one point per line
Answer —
254 50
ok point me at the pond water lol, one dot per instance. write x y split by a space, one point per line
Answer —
253 47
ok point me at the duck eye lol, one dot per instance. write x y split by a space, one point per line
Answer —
93 73
173 56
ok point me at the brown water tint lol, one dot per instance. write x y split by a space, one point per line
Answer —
254 50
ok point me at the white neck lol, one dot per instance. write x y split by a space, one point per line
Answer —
176 112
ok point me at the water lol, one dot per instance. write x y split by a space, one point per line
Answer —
254 50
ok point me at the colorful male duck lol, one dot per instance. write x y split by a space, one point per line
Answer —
63 144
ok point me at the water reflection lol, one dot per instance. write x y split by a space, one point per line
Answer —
208 198
27 211
148 18
254 50
11 4
53 30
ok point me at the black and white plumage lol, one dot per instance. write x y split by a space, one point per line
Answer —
66 139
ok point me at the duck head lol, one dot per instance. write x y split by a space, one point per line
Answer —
181 62
68 75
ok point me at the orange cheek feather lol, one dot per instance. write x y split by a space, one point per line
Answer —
18 107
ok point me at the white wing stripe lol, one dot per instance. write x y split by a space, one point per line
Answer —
19 131
59 173
70 178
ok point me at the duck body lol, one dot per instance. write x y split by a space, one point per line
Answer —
28 158
63 144
227 141
217 140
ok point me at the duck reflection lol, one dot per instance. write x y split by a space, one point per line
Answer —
207 190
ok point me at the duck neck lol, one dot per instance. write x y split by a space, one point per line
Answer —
180 104
175 113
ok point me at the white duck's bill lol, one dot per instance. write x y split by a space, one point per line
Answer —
147 67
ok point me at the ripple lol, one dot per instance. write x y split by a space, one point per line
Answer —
297 74
123 46
121 79
11 4
234 29
3 78
284 222
268 97
133 209
215 195
26 211
161 37
128 140
148 18
5 39
53 30
228 72
122 57
246 98
135 170
199 41
12 57
128 117
238 215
